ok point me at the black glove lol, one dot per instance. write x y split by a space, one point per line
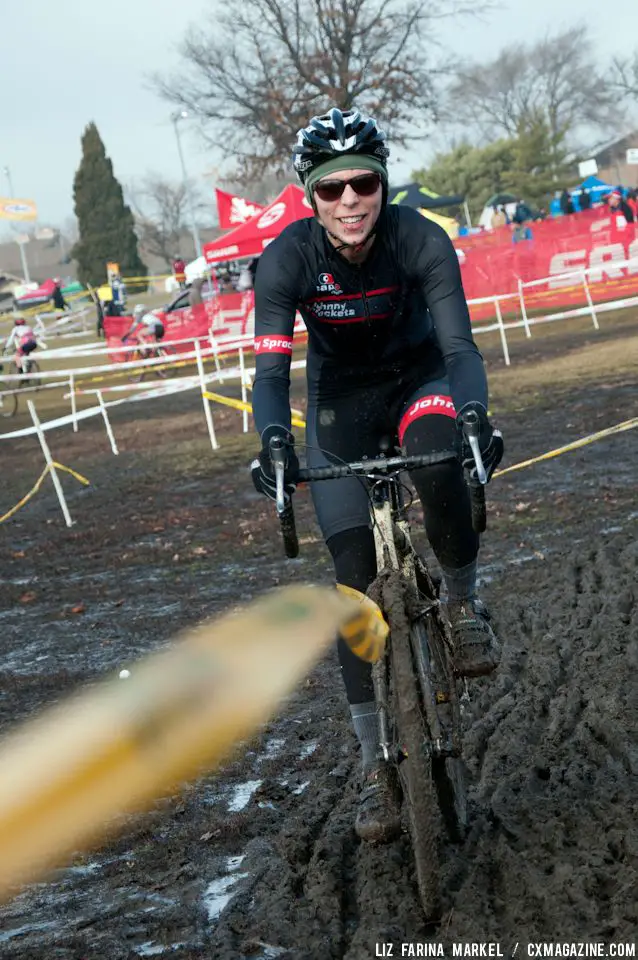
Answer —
490 442
263 469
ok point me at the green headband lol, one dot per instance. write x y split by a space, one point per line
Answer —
347 161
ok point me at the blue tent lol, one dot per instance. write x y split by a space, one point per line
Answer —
597 187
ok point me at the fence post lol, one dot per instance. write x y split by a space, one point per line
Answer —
215 348
74 412
244 392
50 464
528 331
590 302
501 330
207 411
107 422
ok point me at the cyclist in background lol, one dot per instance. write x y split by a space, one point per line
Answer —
390 353
24 339
147 323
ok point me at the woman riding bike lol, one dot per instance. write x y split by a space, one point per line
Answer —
390 354
147 323
25 340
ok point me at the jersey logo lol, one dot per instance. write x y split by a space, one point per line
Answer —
326 283
273 345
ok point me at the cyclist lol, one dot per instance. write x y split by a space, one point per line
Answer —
390 353
145 321
24 339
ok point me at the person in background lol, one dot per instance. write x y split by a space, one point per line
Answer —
179 272
566 203
498 218
618 204
632 200
252 266
245 279
24 340
585 200
522 213
57 297
195 292
148 323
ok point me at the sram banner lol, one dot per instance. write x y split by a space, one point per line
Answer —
596 241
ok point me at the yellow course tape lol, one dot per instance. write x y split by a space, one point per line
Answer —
38 484
575 445
240 405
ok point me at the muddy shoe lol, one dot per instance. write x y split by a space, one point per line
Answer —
477 652
379 818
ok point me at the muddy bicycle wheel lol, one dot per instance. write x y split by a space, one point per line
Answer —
448 772
415 767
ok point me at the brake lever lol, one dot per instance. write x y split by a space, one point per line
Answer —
279 462
471 429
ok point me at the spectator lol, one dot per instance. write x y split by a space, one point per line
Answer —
57 297
179 272
585 199
632 200
522 213
566 203
245 279
195 292
498 218
618 204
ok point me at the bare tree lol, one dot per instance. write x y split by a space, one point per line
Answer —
624 74
267 65
556 78
161 214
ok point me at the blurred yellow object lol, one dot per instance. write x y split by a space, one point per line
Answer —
366 639
115 748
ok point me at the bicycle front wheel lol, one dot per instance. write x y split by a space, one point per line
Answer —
415 764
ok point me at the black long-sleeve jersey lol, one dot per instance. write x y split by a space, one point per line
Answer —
403 304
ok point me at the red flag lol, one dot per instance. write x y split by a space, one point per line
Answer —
233 211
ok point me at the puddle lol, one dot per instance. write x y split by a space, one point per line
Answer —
242 794
308 749
300 789
272 749
216 897
27 928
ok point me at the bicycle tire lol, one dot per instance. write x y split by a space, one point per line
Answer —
415 766
8 403
448 772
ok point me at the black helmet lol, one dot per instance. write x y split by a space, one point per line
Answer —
334 134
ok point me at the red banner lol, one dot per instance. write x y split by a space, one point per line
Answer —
225 315
233 210
594 240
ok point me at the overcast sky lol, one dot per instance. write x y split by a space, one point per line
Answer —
65 64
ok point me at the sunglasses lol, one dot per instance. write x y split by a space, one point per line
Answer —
365 185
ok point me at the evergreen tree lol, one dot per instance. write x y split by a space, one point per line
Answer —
105 223
530 165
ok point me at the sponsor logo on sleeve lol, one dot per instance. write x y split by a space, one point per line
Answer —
326 283
273 344
437 403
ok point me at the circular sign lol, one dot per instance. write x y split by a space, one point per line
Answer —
271 216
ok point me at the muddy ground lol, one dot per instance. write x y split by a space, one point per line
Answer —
260 860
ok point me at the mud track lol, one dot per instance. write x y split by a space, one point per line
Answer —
261 861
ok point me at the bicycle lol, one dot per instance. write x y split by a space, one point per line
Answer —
419 699
24 370
144 350
8 398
